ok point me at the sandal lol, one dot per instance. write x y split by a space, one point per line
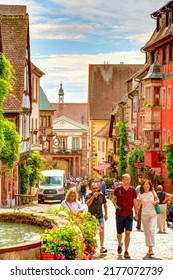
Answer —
119 250
150 253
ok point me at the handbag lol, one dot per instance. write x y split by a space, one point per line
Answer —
158 209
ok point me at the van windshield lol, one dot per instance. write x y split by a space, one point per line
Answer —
52 181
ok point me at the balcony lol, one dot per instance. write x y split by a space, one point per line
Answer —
152 118
60 151
25 148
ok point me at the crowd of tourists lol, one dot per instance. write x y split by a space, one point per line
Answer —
138 204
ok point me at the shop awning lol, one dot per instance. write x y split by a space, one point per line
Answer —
102 167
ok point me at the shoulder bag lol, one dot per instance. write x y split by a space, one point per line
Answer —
157 207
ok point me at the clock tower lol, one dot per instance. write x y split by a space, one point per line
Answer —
61 94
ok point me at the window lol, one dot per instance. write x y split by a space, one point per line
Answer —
75 143
167 19
169 98
163 138
158 23
62 143
163 97
156 96
152 57
44 121
171 51
148 95
99 145
103 146
168 136
156 140
135 103
164 55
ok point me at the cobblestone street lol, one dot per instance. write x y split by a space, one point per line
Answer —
137 250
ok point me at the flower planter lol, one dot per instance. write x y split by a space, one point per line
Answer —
47 256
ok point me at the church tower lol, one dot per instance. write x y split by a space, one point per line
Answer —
61 94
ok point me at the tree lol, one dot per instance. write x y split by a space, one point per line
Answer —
10 151
122 163
9 137
35 163
169 161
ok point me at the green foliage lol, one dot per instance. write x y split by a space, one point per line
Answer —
6 85
169 161
122 163
108 180
72 239
64 242
136 155
24 178
10 151
35 163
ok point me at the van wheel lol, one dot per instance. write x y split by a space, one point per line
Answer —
39 201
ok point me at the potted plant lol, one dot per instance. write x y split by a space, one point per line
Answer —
64 242
89 227
80 227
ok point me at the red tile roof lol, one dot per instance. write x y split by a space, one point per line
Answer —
73 111
107 85
14 42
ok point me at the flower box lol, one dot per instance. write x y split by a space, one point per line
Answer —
47 256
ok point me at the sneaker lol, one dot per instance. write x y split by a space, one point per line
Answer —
119 250
103 250
138 228
126 255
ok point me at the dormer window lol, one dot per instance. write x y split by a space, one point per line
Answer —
167 19
158 23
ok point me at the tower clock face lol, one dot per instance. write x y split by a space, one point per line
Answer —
56 142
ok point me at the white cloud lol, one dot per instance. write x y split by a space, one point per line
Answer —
72 70
112 21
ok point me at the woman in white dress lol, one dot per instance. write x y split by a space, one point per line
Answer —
149 199
71 201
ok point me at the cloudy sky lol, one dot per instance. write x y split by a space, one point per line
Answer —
68 35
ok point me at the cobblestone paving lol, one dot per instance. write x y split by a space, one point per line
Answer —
137 249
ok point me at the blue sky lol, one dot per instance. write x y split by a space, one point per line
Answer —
68 35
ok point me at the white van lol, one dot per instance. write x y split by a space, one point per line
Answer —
53 187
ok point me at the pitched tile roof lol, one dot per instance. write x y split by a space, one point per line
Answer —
14 22
107 86
163 32
73 111
104 132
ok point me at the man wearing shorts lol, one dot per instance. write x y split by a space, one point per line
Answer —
95 202
124 199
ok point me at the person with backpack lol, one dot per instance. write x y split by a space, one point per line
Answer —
97 206
124 199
